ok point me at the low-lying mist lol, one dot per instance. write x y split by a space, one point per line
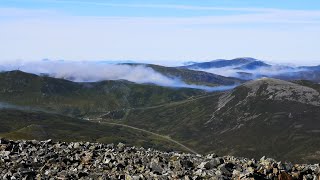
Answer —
272 71
95 71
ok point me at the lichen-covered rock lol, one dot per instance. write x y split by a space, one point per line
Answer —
84 160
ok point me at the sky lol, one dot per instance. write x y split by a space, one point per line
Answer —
162 32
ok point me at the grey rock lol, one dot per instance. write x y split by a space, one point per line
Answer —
214 163
85 160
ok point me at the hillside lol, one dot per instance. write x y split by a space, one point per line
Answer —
220 63
263 117
82 99
250 68
190 76
196 77
267 116
17 124
305 74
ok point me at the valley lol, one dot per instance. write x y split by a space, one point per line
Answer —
263 117
164 90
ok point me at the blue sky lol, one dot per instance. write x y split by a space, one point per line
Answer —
285 31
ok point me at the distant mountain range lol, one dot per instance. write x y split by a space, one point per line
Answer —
250 68
220 63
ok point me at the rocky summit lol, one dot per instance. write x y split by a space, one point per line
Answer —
85 160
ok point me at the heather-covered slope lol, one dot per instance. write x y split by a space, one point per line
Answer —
17 124
196 77
82 99
263 117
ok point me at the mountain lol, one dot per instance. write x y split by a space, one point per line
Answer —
311 75
263 117
221 63
253 65
196 77
82 99
249 69
312 68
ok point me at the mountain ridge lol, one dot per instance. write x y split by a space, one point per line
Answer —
249 69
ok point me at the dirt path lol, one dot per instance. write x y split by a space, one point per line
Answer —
128 110
155 134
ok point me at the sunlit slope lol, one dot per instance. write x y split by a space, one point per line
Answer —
196 77
81 99
17 124
263 117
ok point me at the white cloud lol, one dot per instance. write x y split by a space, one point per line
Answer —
95 71
273 70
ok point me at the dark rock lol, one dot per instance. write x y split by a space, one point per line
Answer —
225 170
4 141
156 168
82 174
284 176
288 167
213 163
187 164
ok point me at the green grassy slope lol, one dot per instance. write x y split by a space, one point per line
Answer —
250 126
194 77
16 124
80 99
310 84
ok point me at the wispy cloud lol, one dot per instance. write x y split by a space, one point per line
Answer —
272 71
99 71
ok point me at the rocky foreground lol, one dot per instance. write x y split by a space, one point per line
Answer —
84 160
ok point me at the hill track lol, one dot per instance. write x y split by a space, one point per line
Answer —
149 132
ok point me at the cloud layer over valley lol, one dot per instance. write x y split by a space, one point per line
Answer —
232 71
99 71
